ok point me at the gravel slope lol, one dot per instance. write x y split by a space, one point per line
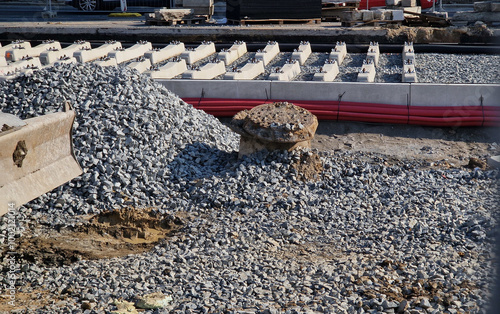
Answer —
370 236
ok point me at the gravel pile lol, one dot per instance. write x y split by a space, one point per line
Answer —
369 236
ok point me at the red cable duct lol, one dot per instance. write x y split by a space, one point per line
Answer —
453 116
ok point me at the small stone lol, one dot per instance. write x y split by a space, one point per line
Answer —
424 303
86 305
152 301
403 306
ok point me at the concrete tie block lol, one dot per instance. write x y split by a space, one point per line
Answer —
339 52
141 65
172 50
134 52
8 70
169 70
106 62
54 55
248 72
373 53
21 66
206 72
287 72
202 51
66 60
495 7
409 74
237 50
328 72
408 53
18 52
269 53
20 44
367 73
302 53
87 55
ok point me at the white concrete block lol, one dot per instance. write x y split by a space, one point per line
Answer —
373 53
87 55
7 70
172 50
206 72
53 55
409 74
269 53
66 60
398 15
339 52
237 50
3 61
287 72
367 15
21 65
248 72
18 43
408 52
367 73
302 53
202 51
123 55
328 72
18 52
169 70
106 62
141 66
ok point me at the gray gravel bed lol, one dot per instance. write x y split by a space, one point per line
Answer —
368 237
430 67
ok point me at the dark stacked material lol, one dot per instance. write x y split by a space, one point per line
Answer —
277 9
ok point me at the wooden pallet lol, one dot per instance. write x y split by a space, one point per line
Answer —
275 21
371 23
190 21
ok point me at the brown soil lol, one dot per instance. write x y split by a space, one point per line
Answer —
110 234
438 147
309 167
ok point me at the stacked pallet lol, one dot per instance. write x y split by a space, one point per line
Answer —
172 17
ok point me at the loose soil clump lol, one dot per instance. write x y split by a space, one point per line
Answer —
110 234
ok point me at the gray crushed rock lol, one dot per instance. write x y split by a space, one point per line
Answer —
368 237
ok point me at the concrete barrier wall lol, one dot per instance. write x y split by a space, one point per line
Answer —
382 93
415 94
237 89
455 94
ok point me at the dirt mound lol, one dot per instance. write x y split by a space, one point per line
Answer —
309 166
109 234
